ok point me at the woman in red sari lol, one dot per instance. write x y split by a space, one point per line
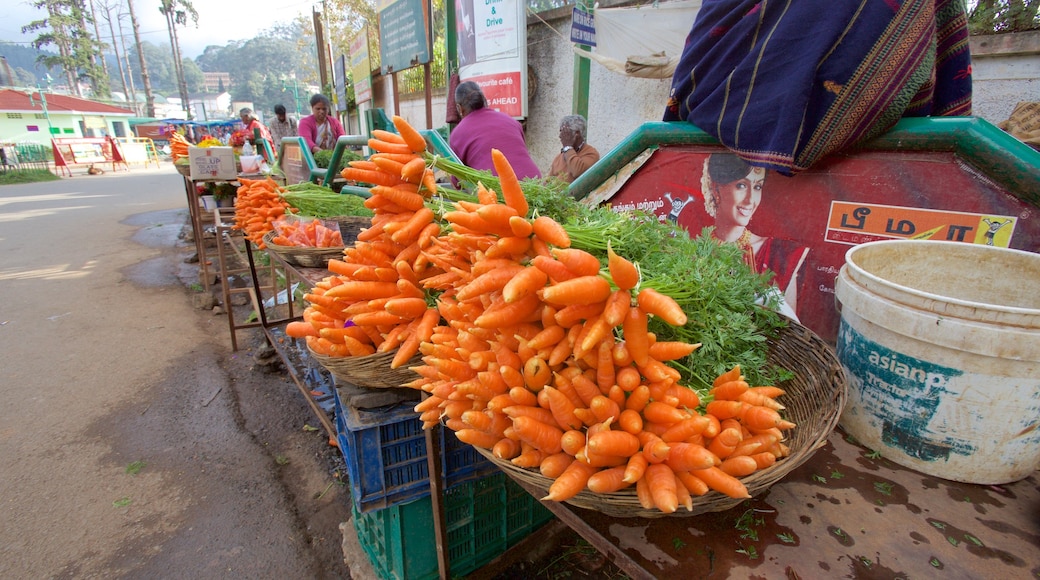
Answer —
732 193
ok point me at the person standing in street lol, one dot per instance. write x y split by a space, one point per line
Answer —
282 126
252 124
482 129
576 156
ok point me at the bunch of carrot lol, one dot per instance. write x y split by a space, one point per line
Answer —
529 366
310 234
257 205
397 162
178 146
374 301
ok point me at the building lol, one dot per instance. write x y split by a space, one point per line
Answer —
32 117
212 81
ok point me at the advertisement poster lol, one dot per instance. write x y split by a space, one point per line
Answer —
361 67
492 51
799 228
404 35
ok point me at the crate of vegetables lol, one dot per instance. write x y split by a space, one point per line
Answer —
484 518
386 455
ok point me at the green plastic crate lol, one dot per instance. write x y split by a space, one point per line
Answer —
484 518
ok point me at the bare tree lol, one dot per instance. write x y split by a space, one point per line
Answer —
149 98
176 12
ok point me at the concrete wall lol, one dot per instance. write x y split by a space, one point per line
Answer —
1005 71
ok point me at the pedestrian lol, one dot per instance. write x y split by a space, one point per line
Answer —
253 124
320 130
482 129
576 156
283 126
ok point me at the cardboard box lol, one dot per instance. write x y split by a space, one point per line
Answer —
212 163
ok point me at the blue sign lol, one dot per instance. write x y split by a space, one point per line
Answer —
583 27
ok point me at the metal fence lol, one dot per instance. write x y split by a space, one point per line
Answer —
24 156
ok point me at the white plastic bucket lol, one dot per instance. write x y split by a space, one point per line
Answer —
209 202
250 163
941 345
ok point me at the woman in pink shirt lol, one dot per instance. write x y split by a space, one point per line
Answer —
320 130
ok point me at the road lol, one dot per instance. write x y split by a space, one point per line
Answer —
133 442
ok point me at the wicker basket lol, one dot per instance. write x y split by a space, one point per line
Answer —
303 256
372 371
814 400
350 226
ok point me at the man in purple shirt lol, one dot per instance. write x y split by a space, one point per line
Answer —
482 129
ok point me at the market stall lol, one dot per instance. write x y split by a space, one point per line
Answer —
478 344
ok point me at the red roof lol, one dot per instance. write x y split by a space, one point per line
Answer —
18 101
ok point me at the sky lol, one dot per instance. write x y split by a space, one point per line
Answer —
220 21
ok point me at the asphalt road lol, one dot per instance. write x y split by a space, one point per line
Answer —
133 442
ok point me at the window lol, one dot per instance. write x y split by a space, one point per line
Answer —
32 128
41 116
14 115
55 131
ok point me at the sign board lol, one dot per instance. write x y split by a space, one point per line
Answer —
492 51
583 27
292 162
86 151
361 67
341 82
404 35
134 152
212 163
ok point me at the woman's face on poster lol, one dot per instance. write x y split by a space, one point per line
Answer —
737 201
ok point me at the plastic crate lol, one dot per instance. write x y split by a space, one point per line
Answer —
484 518
385 454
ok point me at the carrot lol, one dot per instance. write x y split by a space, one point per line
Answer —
756 398
572 441
373 177
730 390
723 444
300 329
686 428
550 231
661 480
654 448
730 375
761 418
663 413
387 147
409 134
548 337
682 494
362 290
521 226
635 468
625 274
636 339
529 456
406 307
579 262
630 421
554 268
725 409
477 438
571 482
527 281
643 494
638 398
512 194
562 409
617 307
693 484
608 480
506 449
554 465
722 482
604 408
399 196
661 305
769 391
672 350
489 282
739 466
689 456
580 290
538 434
764 459
507 314
410 230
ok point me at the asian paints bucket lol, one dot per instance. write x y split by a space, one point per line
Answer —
941 345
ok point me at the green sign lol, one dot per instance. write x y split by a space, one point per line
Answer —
404 37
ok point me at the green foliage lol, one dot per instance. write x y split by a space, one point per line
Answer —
16 176
67 26
1003 16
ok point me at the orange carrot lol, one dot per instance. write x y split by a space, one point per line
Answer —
554 268
682 494
488 282
670 350
571 482
756 398
551 232
540 435
725 442
761 418
508 314
689 456
686 428
722 482
692 483
608 480
618 443
511 191
616 309
730 375
764 459
638 398
554 465
572 441
387 147
580 290
624 273
579 262
635 468
411 137
521 226
477 438
643 494
730 390
506 449
739 466
299 329
725 409
527 281
562 409
661 480
661 305
636 340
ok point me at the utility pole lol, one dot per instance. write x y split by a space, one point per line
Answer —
149 98
115 49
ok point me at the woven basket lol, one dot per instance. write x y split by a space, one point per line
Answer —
814 401
305 257
372 371
350 226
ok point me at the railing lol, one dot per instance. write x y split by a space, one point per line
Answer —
139 150
21 156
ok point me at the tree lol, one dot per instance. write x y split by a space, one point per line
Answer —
194 80
1002 16
177 12
145 77
59 29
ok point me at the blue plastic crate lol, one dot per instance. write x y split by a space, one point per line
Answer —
385 453
484 518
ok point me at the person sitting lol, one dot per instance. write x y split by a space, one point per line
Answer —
482 129
576 156
252 124
320 130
